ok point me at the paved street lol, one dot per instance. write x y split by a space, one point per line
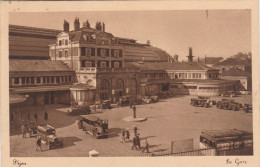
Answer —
168 120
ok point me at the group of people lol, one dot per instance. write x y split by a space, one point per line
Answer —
26 126
35 116
125 136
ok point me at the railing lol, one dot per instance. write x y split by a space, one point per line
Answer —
102 70
205 152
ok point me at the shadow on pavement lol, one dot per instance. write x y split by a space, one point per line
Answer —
143 138
70 141
113 132
57 119
160 150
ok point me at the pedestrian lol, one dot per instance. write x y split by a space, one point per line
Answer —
134 143
146 146
36 117
127 134
134 110
138 144
29 116
39 143
135 130
45 116
123 135
23 131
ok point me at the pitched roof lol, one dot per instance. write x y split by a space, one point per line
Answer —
235 72
233 61
169 66
16 65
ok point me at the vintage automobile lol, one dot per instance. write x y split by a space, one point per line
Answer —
247 108
155 99
79 110
228 104
125 100
94 126
147 99
32 128
227 142
105 104
48 136
228 94
201 101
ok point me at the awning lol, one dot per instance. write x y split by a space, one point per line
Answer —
16 98
40 88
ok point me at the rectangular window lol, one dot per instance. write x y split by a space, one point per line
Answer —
120 64
16 80
57 79
193 75
98 51
209 75
93 50
93 63
60 54
52 79
32 80
199 75
60 42
38 79
66 53
43 79
66 79
83 51
83 64
48 79
66 42
185 75
120 53
107 64
62 79
23 80
69 78
189 75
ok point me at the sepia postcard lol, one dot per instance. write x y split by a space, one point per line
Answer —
133 83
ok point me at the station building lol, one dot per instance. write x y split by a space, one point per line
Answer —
88 65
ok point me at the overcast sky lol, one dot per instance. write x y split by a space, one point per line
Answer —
213 33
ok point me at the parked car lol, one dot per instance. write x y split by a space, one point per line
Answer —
147 99
228 94
155 99
32 128
228 104
201 101
94 126
247 108
105 104
48 136
79 110
125 100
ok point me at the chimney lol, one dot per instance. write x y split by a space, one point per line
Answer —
175 57
103 27
148 42
76 24
190 57
66 26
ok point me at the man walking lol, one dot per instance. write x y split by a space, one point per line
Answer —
134 110
127 134
45 116
134 143
146 146
135 130
35 117
29 116
123 135
23 131
138 144
39 143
